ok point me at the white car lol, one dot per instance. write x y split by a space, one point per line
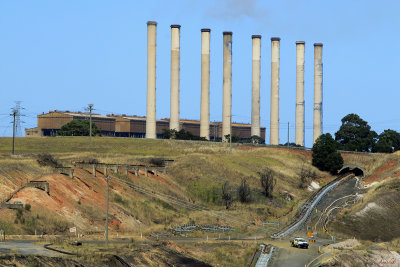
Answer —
299 243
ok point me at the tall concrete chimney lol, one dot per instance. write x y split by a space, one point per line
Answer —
151 80
256 66
175 59
205 84
227 85
299 139
317 91
274 125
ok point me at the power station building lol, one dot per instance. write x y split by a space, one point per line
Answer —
48 124
150 127
129 126
227 47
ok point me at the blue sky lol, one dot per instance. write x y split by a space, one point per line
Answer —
66 54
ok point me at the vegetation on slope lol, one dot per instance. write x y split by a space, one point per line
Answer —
199 171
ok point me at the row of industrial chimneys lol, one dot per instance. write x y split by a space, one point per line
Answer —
227 85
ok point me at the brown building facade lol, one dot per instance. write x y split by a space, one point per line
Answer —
50 123
130 126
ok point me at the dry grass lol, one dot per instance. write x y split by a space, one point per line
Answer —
130 146
370 162
197 175
232 254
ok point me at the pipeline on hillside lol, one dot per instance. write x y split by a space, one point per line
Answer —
310 204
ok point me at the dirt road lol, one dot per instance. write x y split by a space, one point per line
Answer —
286 255
24 248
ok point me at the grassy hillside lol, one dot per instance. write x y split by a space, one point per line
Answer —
196 176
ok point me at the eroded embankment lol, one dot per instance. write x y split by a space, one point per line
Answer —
309 206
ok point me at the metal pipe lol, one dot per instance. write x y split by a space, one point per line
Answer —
299 132
205 84
108 193
175 63
256 69
227 85
274 124
317 91
151 80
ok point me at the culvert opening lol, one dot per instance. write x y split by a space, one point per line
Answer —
357 170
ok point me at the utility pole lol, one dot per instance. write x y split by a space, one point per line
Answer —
215 131
13 144
90 108
108 188
230 137
230 142
16 114
288 134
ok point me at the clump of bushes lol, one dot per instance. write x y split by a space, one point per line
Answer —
159 162
306 175
181 135
47 160
87 160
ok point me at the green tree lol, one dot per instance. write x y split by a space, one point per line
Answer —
268 181
78 128
235 139
181 135
325 156
355 134
255 139
227 194
388 142
244 191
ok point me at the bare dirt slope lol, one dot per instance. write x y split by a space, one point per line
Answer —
376 217
196 176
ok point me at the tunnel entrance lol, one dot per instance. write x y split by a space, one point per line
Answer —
357 170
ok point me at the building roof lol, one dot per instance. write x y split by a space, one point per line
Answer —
74 114
131 118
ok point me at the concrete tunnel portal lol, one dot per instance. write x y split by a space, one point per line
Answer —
357 170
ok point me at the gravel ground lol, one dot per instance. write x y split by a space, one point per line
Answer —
24 248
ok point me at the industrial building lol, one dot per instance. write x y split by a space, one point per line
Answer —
48 124
129 126
150 127
227 125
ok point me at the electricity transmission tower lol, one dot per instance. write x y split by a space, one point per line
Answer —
18 115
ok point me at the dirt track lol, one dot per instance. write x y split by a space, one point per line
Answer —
286 255
24 248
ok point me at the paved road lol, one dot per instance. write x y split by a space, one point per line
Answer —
24 248
285 255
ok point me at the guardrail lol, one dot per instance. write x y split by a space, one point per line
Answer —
309 206
207 228
264 258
